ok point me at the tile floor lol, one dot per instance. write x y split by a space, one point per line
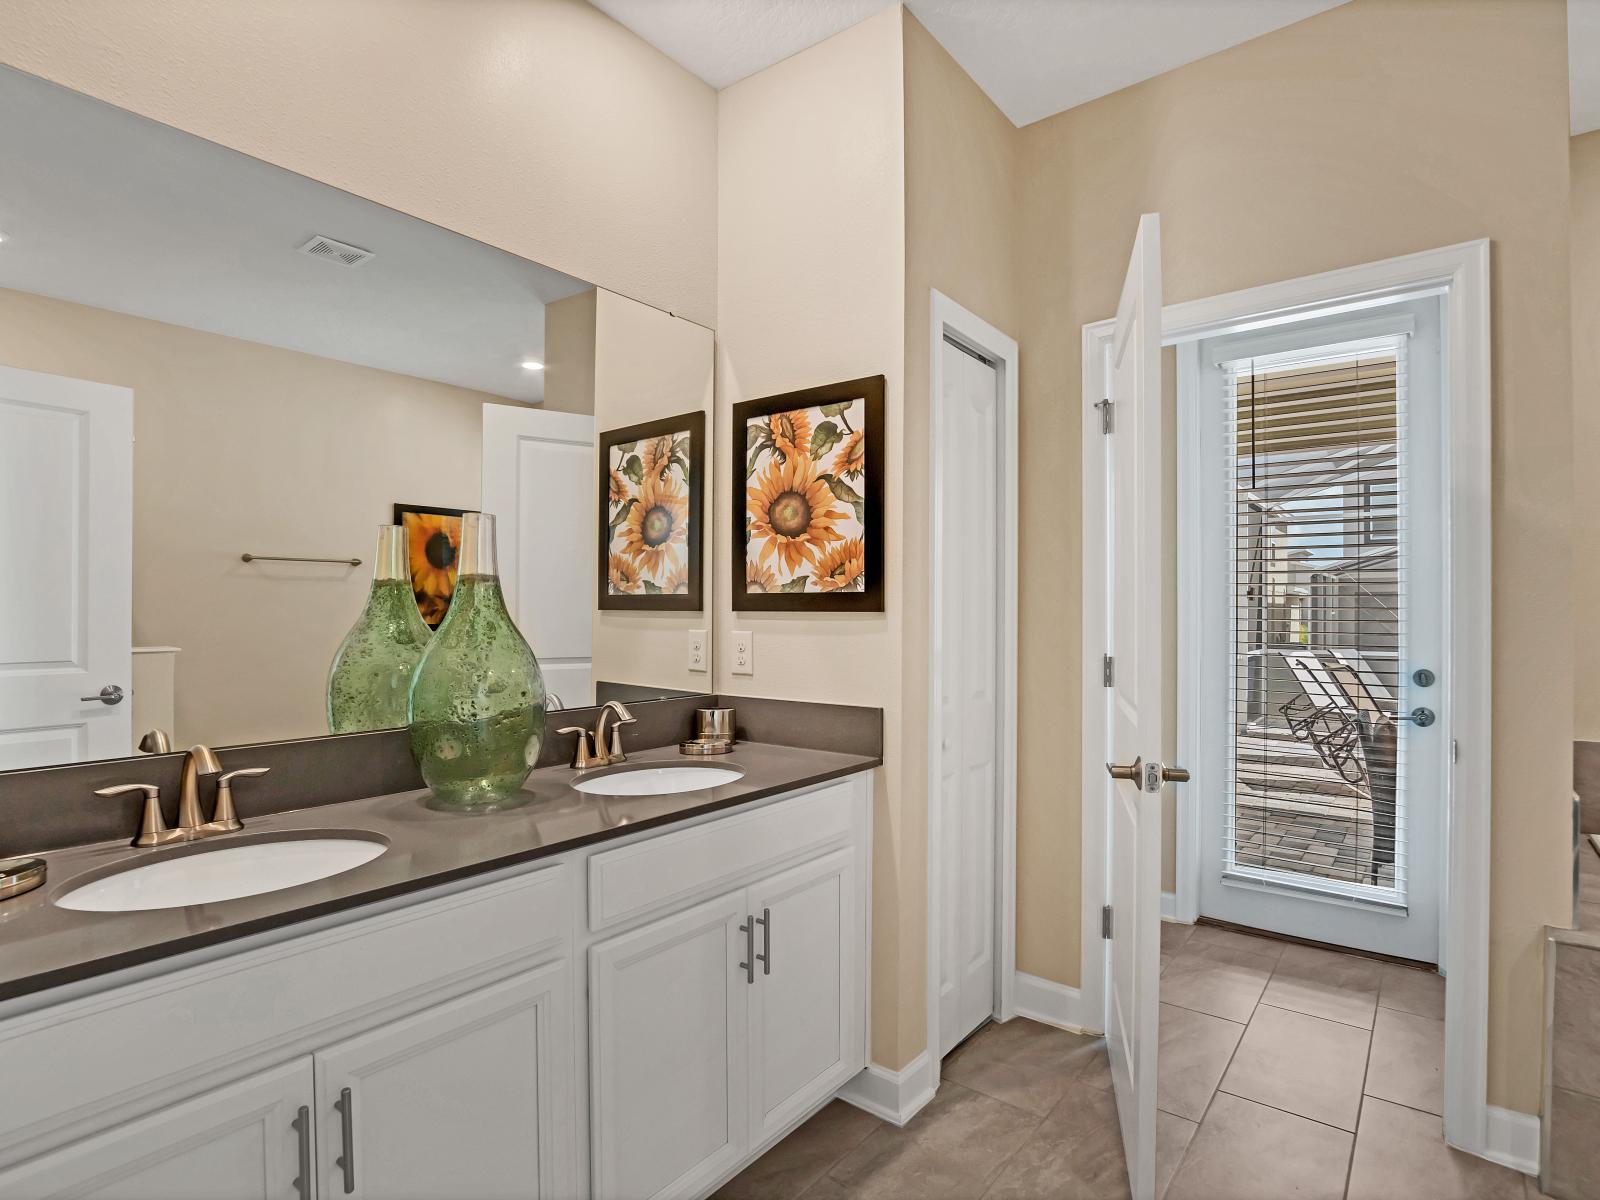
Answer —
1285 1071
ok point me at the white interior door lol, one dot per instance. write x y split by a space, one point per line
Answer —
66 624
539 482
969 517
1134 704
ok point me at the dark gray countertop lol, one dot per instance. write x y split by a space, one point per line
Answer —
42 945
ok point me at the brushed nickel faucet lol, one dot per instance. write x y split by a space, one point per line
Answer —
198 761
594 750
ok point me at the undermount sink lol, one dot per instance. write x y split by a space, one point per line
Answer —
224 873
657 781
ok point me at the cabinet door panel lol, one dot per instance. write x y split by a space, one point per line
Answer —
238 1142
668 1069
806 1037
469 1098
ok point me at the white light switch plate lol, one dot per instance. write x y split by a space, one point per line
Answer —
697 650
744 652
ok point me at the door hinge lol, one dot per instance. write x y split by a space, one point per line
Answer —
1108 670
1107 421
1105 922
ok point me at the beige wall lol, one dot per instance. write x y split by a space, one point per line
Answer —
569 353
243 447
1266 164
1585 160
649 364
539 126
811 290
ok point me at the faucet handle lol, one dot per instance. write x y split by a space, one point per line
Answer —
583 757
153 829
223 816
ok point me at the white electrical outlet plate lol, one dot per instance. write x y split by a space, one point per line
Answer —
744 652
697 650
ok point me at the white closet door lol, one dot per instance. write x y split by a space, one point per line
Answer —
66 625
969 518
539 482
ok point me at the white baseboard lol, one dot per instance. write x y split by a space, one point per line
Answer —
1169 906
1511 1139
1049 1002
894 1096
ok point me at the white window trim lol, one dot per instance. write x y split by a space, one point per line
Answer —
1461 274
951 320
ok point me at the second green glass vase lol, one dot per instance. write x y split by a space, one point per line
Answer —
477 698
370 679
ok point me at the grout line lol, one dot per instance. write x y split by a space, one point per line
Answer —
1361 1108
1289 1112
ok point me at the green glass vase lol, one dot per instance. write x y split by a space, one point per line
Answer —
370 679
477 698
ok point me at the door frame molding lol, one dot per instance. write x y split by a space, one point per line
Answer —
1461 275
949 319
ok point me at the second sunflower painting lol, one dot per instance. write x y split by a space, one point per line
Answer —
808 508
651 480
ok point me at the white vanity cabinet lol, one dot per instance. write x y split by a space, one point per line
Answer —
714 1029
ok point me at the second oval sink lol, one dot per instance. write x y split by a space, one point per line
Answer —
226 873
657 781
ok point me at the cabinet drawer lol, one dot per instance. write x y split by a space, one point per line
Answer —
678 868
105 1052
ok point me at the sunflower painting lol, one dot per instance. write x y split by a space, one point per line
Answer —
650 489
433 543
808 505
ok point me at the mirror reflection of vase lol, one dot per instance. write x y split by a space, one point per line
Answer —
477 711
370 680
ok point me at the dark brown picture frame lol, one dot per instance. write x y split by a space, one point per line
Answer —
870 390
692 600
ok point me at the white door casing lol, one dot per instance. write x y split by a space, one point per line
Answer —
66 630
539 482
969 684
495 1062
238 1142
1132 579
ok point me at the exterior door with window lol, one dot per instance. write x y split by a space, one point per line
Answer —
1319 700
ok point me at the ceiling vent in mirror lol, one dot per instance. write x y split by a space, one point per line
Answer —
339 252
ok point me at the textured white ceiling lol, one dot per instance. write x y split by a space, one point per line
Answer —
1583 57
1033 57
105 208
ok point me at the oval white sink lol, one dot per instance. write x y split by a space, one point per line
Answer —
226 873
658 781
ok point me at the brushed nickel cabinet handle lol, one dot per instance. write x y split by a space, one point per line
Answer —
347 1138
302 1126
748 966
765 957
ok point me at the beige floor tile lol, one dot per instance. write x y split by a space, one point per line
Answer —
1322 983
1194 1051
1174 935
826 1188
1246 1151
949 1151
1401 1152
1025 1063
1173 1135
1232 939
795 1163
1304 1065
1221 980
1076 1154
1407 1061
1412 990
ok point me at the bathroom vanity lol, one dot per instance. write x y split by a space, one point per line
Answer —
614 1013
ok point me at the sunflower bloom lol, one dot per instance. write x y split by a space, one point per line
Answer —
616 487
791 432
655 455
655 526
622 575
842 568
852 457
758 578
677 580
792 514
433 542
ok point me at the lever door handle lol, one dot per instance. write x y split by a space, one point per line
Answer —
1133 772
110 694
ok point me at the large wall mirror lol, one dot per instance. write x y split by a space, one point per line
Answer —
218 379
